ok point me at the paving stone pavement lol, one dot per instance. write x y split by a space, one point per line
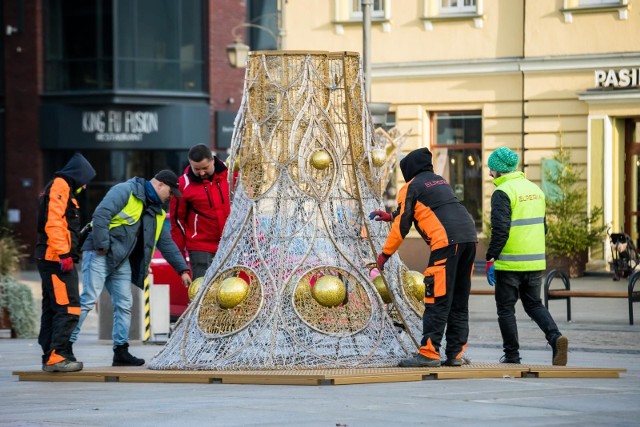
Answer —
599 336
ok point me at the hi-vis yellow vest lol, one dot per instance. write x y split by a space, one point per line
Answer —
131 214
525 247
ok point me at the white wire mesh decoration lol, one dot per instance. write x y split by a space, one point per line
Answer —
299 219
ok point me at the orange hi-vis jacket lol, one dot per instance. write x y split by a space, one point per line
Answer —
58 212
428 202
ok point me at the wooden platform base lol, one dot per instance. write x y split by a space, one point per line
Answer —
320 376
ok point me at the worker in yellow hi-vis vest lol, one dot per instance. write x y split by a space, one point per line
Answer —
127 226
516 255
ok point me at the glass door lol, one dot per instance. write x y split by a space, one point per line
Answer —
632 180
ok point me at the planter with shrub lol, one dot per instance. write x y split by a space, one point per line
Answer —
18 316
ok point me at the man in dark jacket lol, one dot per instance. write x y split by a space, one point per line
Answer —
57 249
428 202
516 255
199 216
127 226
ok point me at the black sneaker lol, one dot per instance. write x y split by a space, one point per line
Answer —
453 362
560 348
65 365
419 361
510 359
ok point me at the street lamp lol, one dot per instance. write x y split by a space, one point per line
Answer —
378 110
238 51
366 46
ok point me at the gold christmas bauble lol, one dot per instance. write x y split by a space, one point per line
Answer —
414 284
320 160
193 287
329 291
382 289
303 289
232 291
378 157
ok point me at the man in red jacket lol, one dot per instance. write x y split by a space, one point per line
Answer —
198 217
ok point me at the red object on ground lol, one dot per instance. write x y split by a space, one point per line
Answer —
164 274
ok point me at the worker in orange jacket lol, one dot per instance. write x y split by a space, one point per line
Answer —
57 249
428 202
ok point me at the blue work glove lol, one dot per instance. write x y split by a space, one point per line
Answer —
382 260
380 216
491 273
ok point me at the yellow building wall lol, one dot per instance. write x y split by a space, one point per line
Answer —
547 33
407 39
526 36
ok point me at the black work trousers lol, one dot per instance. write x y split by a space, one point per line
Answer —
524 284
447 287
200 262
60 308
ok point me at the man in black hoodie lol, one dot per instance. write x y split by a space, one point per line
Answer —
427 201
57 249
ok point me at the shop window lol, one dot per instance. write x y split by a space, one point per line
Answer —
457 156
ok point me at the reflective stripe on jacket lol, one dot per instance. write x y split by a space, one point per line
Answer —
525 246
116 227
131 214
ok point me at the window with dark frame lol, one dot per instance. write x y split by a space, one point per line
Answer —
158 46
457 156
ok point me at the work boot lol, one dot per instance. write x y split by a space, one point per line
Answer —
419 361
65 366
560 348
69 351
510 359
58 363
452 361
122 357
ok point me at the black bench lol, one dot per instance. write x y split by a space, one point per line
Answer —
567 293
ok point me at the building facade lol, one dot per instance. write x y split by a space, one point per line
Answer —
131 84
467 76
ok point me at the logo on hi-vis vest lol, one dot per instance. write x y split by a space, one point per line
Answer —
529 197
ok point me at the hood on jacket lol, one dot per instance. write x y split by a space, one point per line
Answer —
415 162
78 170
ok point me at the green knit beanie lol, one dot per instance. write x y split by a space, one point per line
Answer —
503 160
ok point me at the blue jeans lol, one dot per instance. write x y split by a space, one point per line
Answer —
118 284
